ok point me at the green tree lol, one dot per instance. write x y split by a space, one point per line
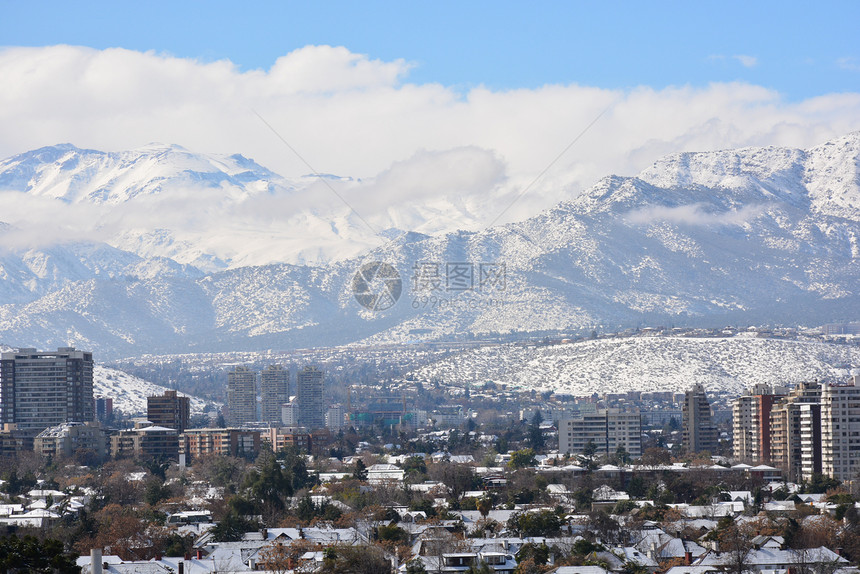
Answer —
360 470
231 528
295 468
484 505
538 553
392 533
28 554
522 458
589 450
268 485
306 509
157 466
540 523
415 566
355 560
156 491
414 466
535 435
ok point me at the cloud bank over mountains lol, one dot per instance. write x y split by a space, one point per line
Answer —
424 157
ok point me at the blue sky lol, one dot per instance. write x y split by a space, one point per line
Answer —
798 49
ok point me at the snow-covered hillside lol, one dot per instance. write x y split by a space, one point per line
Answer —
129 393
764 236
647 364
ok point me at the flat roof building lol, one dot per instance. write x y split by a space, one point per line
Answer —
241 396
44 389
169 410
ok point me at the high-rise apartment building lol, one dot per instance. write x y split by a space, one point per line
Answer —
290 413
606 429
810 439
241 396
699 432
334 417
44 389
103 408
309 383
169 410
785 429
840 431
751 423
274 392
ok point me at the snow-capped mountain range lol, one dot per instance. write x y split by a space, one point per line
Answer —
749 236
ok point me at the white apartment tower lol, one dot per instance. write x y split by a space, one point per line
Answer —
241 396
840 431
274 392
606 428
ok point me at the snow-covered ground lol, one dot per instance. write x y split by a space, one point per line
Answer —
648 364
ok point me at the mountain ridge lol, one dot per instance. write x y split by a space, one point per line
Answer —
752 236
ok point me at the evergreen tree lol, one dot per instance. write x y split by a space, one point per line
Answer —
27 554
360 471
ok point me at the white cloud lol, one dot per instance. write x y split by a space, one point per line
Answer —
849 63
412 145
694 214
746 61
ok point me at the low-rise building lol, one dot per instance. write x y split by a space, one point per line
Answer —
289 437
145 441
68 438
194 443
606 429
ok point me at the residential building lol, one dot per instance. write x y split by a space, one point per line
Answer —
390 412
785 425
145 441
241 396
606 429
194 443
751 423
14 442
699 432
289 437
43 389
68 438
274 392
841 329
290 412
334 417
810 440
169 410
840 431
103 409
309 386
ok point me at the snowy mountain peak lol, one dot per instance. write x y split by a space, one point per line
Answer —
756 235
76 175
